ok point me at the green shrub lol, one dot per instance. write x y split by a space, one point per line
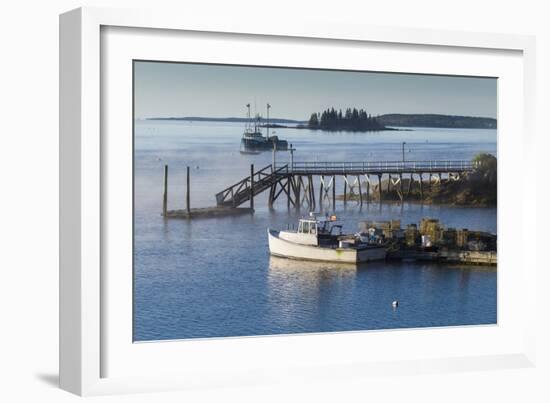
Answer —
485 161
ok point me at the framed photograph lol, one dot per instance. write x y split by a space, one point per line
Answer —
250 206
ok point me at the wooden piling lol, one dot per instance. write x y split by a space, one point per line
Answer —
322 179
252 186
312 191
288 192
421 189
360 191
345 189
270 197
380 188
302 185
297 196
333 192
389 183
165 192
309 193
368 189
401 186
188 193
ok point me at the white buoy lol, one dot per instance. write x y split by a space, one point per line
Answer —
395 304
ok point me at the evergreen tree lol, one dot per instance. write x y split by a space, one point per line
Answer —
351 119
313 121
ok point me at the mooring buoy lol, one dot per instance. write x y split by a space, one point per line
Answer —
395 304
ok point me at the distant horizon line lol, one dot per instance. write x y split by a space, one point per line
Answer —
288 120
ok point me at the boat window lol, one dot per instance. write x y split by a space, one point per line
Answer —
305 227
313 228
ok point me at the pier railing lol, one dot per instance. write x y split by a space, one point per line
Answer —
374 167
269 177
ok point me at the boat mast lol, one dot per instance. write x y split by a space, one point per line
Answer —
247 125
268 106
256 116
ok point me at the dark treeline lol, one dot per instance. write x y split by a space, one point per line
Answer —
434 120
350 119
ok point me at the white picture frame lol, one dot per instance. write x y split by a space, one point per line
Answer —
87 343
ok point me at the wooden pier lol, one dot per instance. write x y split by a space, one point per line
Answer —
205 212
485 258
297 181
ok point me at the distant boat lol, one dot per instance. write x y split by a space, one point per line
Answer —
253 141
319 239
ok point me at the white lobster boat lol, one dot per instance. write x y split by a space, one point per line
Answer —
319 239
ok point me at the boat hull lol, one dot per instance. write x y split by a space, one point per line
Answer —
263 144
282 248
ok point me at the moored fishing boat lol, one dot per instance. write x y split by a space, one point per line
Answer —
253 141
321 239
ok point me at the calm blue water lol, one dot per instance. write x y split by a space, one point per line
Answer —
214 277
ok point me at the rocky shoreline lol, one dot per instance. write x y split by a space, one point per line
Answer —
475 189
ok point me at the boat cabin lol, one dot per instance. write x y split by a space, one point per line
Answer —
307 227
314 231
318 225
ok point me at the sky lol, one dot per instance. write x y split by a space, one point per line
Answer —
184 89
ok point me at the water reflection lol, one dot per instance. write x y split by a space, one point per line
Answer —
309 270
302 294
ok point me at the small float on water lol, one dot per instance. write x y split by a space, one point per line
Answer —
321 239
253 141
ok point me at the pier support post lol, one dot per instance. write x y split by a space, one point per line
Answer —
271 195
421 188
165 192
310 194
252 186
333 192
312 191
360 191
306 191
321 192
297 188
345 189
288 192
389 183
380 188
188 193
401 186
368 187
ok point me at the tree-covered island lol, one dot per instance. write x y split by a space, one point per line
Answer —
349 120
